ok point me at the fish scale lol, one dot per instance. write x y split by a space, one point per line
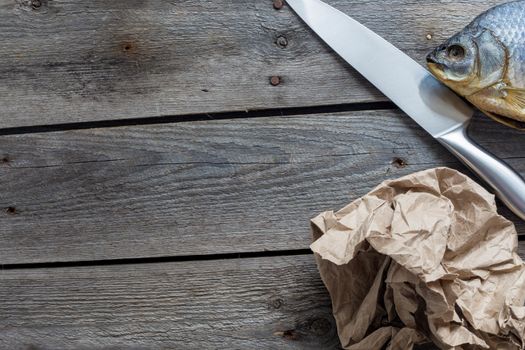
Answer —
507 22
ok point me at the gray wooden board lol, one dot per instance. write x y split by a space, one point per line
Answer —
222 186
73 61
230 304
262 303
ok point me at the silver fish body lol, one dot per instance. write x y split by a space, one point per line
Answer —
507 23
485 63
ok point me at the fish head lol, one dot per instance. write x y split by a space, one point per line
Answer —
455 61
469 61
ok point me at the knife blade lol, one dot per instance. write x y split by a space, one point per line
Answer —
437 109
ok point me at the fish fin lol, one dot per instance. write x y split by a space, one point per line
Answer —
516 124
492 66
515 97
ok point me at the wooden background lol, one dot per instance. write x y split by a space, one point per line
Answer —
156 187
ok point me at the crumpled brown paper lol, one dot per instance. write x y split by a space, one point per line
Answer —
424 258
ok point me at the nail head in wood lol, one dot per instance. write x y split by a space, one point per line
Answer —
36 4
275 80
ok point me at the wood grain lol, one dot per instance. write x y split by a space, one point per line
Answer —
69 61
194 188
223 186
265 303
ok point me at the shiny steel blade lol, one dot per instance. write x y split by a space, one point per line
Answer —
410 86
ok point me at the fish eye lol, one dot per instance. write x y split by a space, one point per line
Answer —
456 52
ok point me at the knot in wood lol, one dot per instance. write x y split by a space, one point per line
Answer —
276 303
127 47
321 326
10 210
290 334
399 162
281 41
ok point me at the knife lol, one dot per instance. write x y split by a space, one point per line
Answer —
437 109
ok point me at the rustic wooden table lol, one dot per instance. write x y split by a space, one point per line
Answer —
160 161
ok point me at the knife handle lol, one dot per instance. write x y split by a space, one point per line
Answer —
506 183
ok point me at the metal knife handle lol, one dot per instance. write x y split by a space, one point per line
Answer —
506 183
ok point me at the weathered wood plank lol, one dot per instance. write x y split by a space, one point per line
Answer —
234 304
205 187
270 303
70 61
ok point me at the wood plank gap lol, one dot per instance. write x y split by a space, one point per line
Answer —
271 112
156 260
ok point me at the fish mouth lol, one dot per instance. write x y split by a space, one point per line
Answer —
433 65
435 68
431 59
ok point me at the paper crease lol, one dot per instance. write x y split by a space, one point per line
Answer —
423 258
